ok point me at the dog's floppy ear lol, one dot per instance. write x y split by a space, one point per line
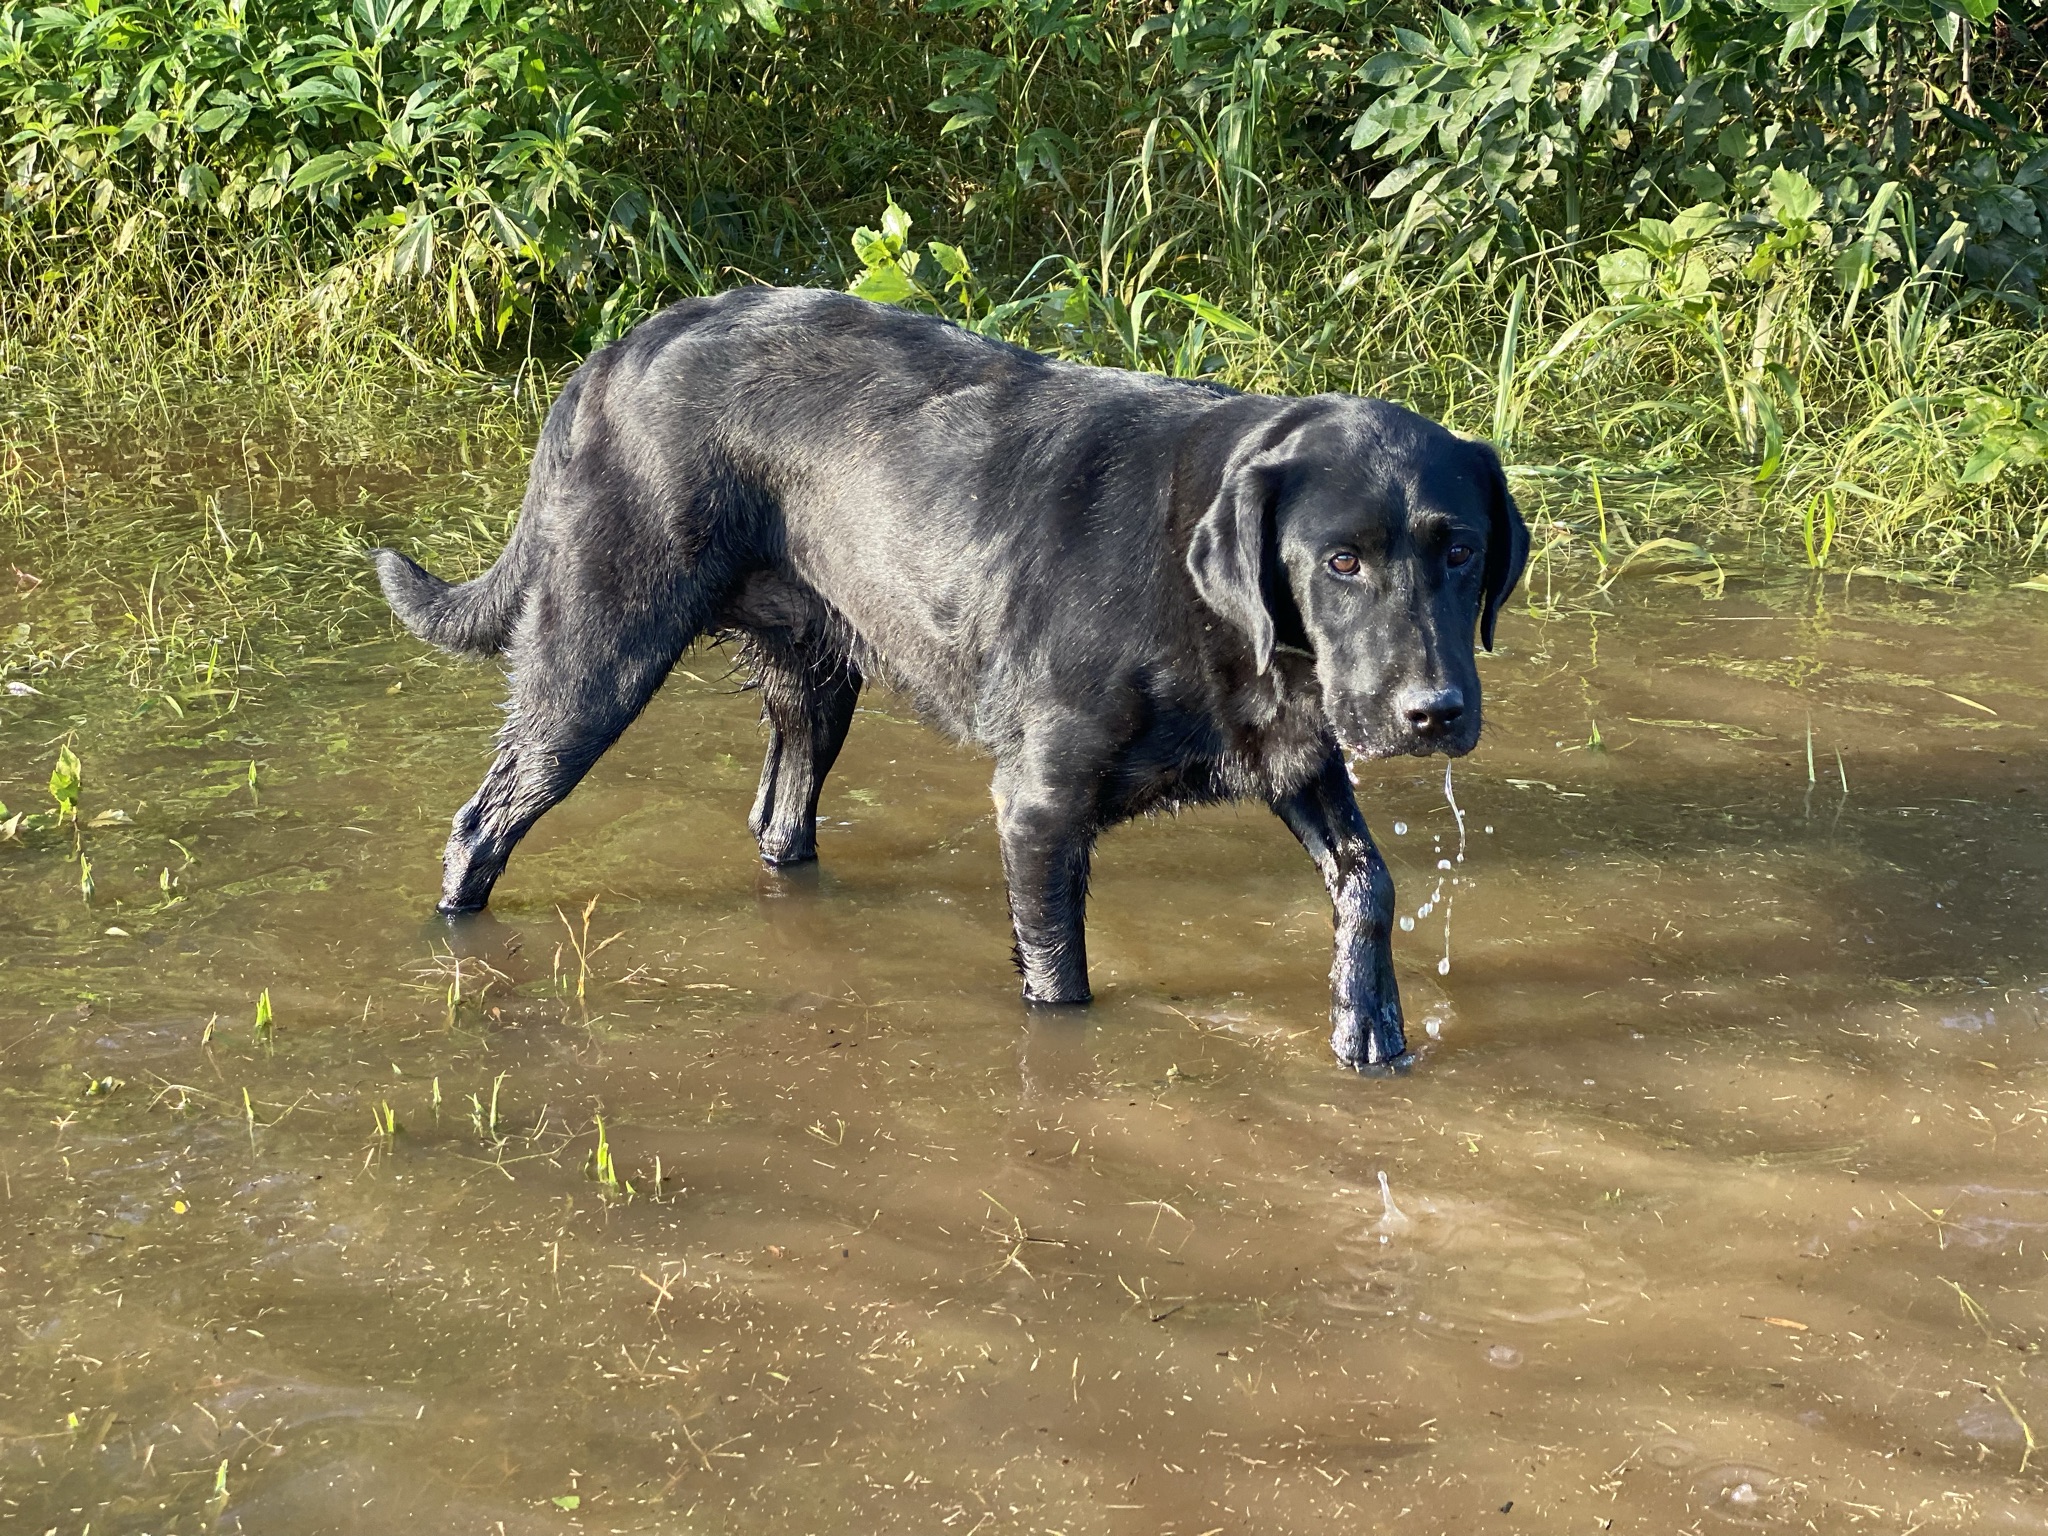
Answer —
1227 554
1507 542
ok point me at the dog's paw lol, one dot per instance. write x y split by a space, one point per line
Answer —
787 853
1370 1041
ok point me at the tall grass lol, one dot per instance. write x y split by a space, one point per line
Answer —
1663 245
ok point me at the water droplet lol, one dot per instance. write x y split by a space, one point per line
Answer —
1503 1357
1443 966
1407 925
1425 909
1400 829
1443 863
1489 831
1434 1028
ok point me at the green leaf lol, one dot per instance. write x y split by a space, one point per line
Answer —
1653 235
951 259
1804 28
969 111
1395 182
196 184
1706 181
1666 71
1594 95
1522 77
412 253
1388 68
885 285
1407 122
1222 319
763 12
324 171
1626 275
1460 34
517 232
896 225
1771 454
1045 147
1794 199
67 782
1855 264
567 1501
1697 223
1859 25
141 123
1985 463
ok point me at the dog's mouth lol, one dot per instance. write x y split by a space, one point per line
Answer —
1377 742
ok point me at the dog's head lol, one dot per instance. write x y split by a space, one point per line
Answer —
1377 542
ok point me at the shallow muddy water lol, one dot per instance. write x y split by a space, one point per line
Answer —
1716 1200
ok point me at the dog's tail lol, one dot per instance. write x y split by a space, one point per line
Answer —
475 617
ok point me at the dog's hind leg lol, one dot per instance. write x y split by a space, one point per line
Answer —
576 686
808 703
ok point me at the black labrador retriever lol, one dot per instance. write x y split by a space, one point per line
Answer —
1134 592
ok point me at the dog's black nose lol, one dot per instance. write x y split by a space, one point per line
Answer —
1431 714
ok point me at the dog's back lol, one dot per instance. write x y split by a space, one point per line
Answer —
945 495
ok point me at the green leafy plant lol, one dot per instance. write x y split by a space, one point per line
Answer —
67 783
2012 432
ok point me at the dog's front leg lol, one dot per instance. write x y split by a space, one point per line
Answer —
1365 1004
1047 825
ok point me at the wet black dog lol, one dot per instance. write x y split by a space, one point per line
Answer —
1134 592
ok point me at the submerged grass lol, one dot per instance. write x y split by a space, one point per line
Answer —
197 550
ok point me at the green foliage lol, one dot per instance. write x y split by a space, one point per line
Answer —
2012 433
1076 310
510 163
1791 239
1520 118
466 149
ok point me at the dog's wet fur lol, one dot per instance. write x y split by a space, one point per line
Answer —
1133 592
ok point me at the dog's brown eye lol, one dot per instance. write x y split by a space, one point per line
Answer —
1344 565
1457 555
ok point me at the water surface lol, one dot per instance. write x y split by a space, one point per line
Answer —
1716 1200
